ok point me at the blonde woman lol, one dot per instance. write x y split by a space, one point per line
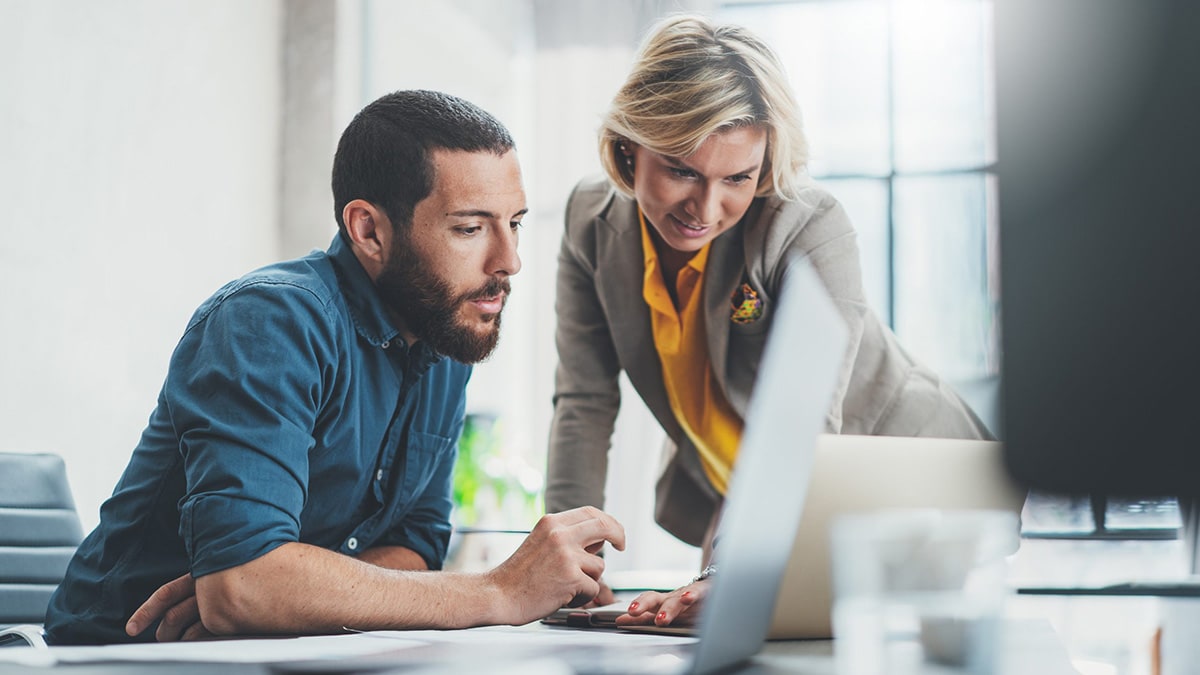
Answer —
669 270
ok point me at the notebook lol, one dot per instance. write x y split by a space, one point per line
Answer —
796 380
855 474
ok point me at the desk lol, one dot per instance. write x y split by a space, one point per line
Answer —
1031 648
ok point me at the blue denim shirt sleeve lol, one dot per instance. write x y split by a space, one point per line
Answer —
244 388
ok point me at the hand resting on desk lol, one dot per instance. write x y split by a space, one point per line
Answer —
680 606
175 601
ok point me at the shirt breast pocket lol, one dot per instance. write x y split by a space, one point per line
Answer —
423 456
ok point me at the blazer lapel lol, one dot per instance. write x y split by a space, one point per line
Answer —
723 273
619 281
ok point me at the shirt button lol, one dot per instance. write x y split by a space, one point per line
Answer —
352 543
386 344
379 475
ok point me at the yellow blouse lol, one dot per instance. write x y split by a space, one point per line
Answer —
681 341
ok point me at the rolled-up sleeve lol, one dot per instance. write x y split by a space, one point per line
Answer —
244 389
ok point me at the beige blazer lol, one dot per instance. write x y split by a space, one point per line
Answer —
604 328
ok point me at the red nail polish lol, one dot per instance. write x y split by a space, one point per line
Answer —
662 616
633 606
687 595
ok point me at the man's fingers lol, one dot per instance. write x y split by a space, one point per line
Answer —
159 602
175 590
576 515
595 531
592 526
592 565
604 597
579 600
178 619
196 631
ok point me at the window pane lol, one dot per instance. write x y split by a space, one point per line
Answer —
866 201
836 57
946 297
943 84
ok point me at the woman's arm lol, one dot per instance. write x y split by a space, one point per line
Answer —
586 393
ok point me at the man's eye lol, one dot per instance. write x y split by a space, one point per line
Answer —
516 224
683 173
469 230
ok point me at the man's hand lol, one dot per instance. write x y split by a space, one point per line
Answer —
557 564
175 603
604 597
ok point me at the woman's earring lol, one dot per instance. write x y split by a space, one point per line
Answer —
628 156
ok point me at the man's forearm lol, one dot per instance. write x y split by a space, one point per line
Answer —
298 588
394 558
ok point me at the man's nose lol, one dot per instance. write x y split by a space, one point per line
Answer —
504 259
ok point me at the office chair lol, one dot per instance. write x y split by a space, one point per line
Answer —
39 531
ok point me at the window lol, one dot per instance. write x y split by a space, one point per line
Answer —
897 100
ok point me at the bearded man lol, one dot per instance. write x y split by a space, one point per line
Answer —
295 475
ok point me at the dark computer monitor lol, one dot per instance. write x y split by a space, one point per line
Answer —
1098 160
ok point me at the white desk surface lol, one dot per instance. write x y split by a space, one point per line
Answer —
1031 647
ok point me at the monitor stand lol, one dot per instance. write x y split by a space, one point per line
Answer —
1188 586
1189 533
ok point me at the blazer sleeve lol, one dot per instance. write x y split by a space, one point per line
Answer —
586 392
816 228
881 388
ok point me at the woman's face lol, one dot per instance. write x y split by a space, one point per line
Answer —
689 201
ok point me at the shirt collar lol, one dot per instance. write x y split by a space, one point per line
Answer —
696 262
367 309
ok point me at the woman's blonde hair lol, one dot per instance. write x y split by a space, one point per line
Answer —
693 78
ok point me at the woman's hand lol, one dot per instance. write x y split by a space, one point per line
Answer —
679 607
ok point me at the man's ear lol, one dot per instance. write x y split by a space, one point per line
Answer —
369 230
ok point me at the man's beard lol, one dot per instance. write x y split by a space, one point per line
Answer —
430 310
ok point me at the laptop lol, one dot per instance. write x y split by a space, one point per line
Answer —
786 413
855 474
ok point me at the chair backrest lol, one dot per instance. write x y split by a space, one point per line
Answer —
39 531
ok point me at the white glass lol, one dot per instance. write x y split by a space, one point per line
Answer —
920 590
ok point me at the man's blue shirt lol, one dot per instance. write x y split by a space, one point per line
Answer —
292 412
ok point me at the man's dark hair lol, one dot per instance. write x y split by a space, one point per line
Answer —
383 155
